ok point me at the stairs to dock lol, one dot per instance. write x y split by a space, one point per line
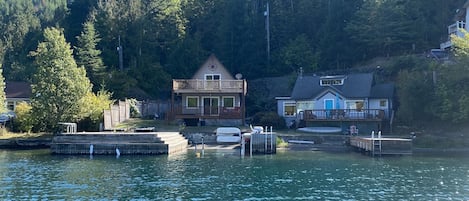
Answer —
175 141
126 143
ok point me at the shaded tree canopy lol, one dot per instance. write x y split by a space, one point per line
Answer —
169 39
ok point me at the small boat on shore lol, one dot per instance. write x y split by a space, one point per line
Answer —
228 135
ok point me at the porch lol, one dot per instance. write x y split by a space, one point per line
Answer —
343 115
208 112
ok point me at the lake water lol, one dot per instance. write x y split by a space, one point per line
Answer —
223 175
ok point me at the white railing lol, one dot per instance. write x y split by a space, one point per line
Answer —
208 85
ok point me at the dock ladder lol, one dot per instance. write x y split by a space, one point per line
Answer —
377 144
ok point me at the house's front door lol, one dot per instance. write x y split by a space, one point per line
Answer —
328 106
210 105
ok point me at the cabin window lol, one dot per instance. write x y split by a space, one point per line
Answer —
228 102
192 102
329 82
11 105
305 105
212 76
359 105
289 108
355 104
383 103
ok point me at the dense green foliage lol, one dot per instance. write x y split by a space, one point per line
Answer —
162 40
23 121
88 56
58 85
169 39
269 119
92 107
433 91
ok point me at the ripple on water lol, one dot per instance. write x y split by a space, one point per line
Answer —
285 176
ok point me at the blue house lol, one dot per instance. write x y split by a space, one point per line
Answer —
339 100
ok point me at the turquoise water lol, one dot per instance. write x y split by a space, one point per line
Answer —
222 175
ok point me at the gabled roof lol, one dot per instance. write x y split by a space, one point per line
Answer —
14 89
213 66
354 86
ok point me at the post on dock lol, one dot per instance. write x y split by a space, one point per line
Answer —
265 142
271 140
243 146
250 144
203 146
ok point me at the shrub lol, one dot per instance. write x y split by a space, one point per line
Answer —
23 121
269 119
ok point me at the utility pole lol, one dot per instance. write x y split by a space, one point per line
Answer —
121 59
267 27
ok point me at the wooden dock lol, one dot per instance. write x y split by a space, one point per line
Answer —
121 142
378 146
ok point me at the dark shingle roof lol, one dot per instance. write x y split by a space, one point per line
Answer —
306 87
355 86
15 89
382 90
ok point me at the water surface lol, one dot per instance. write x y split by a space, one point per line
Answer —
223 175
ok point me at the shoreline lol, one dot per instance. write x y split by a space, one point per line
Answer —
21 144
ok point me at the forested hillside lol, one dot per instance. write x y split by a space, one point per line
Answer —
161 40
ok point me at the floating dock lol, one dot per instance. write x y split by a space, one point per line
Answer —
113 143
378 146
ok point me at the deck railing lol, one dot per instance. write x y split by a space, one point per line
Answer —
208 112
196 85
343 114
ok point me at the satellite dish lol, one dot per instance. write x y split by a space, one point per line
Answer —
239 76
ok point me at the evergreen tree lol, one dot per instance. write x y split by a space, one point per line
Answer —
18 21
89 56
58 85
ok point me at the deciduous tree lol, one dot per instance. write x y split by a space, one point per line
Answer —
58 85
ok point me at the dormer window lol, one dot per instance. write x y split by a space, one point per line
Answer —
332 80
212 76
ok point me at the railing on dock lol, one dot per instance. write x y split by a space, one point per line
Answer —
378 146
263 142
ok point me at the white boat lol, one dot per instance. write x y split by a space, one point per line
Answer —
228 135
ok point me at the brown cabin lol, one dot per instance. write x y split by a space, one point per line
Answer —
211 97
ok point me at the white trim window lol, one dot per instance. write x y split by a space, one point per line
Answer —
289 109
355 104
212 77
192 102
383 103
228 102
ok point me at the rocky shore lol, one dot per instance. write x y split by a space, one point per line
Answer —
25 143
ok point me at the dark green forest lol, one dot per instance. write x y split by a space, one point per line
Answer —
164 39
